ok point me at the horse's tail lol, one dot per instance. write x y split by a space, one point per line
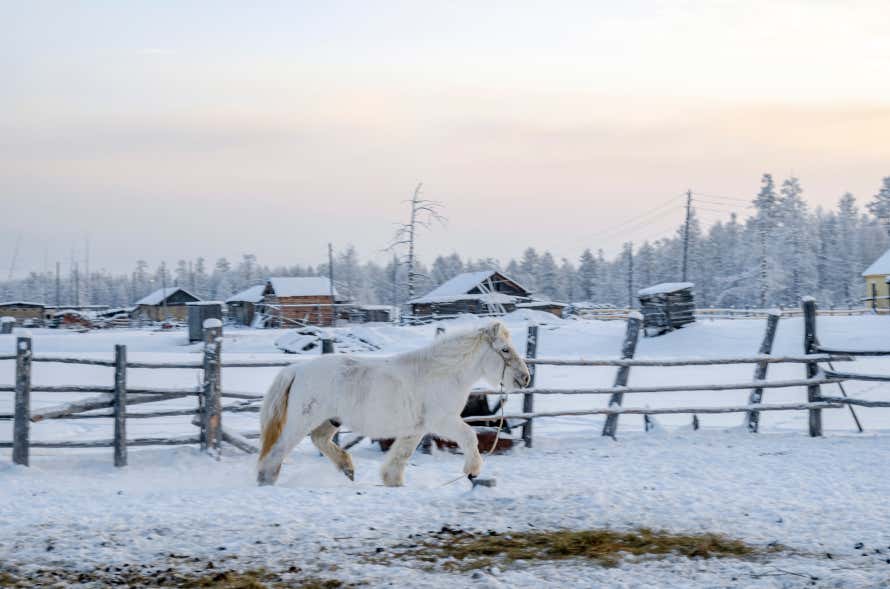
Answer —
274 412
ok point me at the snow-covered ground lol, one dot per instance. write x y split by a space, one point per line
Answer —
816 496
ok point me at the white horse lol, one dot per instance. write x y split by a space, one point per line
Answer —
403 396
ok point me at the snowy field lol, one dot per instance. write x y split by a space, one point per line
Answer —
174 508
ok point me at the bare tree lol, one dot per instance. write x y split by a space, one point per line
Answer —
423 213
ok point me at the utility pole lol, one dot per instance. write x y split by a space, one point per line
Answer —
164 288
331 281
58 284
686 234
629 248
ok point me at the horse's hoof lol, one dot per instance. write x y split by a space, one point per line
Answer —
477 482
349 473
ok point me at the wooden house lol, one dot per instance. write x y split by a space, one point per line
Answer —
166 304
242 307
488 292
877 287
302 300
23 311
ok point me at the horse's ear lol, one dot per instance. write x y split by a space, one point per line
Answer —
495 330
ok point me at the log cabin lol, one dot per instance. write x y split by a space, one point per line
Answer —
300 300
165 304
23 311
487 292
242 307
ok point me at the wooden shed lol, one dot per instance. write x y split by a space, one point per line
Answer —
666 307
302 300
166 304
23 311
198 313
877 284
488 292
242 307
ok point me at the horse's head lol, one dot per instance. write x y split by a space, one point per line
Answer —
502 364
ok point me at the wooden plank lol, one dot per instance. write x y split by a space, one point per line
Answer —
667 410
72 409
171 441
120 405
775 384
752 418
21 429
860 402
239 441
836 351
628 349
857 376
528 399
803 359
810 345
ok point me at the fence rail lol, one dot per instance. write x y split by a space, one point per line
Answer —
113 401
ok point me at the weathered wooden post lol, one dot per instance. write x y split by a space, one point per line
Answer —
628 349
811 346
21 429
752 418
120 405
327 347
528 399
874 297
211 426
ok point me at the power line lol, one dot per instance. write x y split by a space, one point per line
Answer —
735 198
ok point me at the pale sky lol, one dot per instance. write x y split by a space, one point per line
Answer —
167 130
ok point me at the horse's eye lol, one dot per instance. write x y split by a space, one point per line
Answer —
505 350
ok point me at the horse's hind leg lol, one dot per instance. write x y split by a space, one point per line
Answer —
322 437
393 470
270 465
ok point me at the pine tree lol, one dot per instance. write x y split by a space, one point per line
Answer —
766 219
587 276
548 277
880 204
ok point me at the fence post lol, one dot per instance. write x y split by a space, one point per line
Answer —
327 347
874 297
120 405
810 346
21 429
752 418
628 349
211 426
528 399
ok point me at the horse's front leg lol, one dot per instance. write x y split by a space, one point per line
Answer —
393 470
466 439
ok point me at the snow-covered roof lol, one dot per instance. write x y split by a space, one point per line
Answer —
664 288
302 286
254 294
456 288
21 304
879 266
160 295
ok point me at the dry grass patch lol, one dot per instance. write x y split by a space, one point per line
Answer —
460 550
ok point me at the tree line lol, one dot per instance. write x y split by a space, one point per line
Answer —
778 253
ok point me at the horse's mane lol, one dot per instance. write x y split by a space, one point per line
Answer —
448 350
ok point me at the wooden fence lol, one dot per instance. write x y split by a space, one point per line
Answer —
115 400
814 379
117 397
